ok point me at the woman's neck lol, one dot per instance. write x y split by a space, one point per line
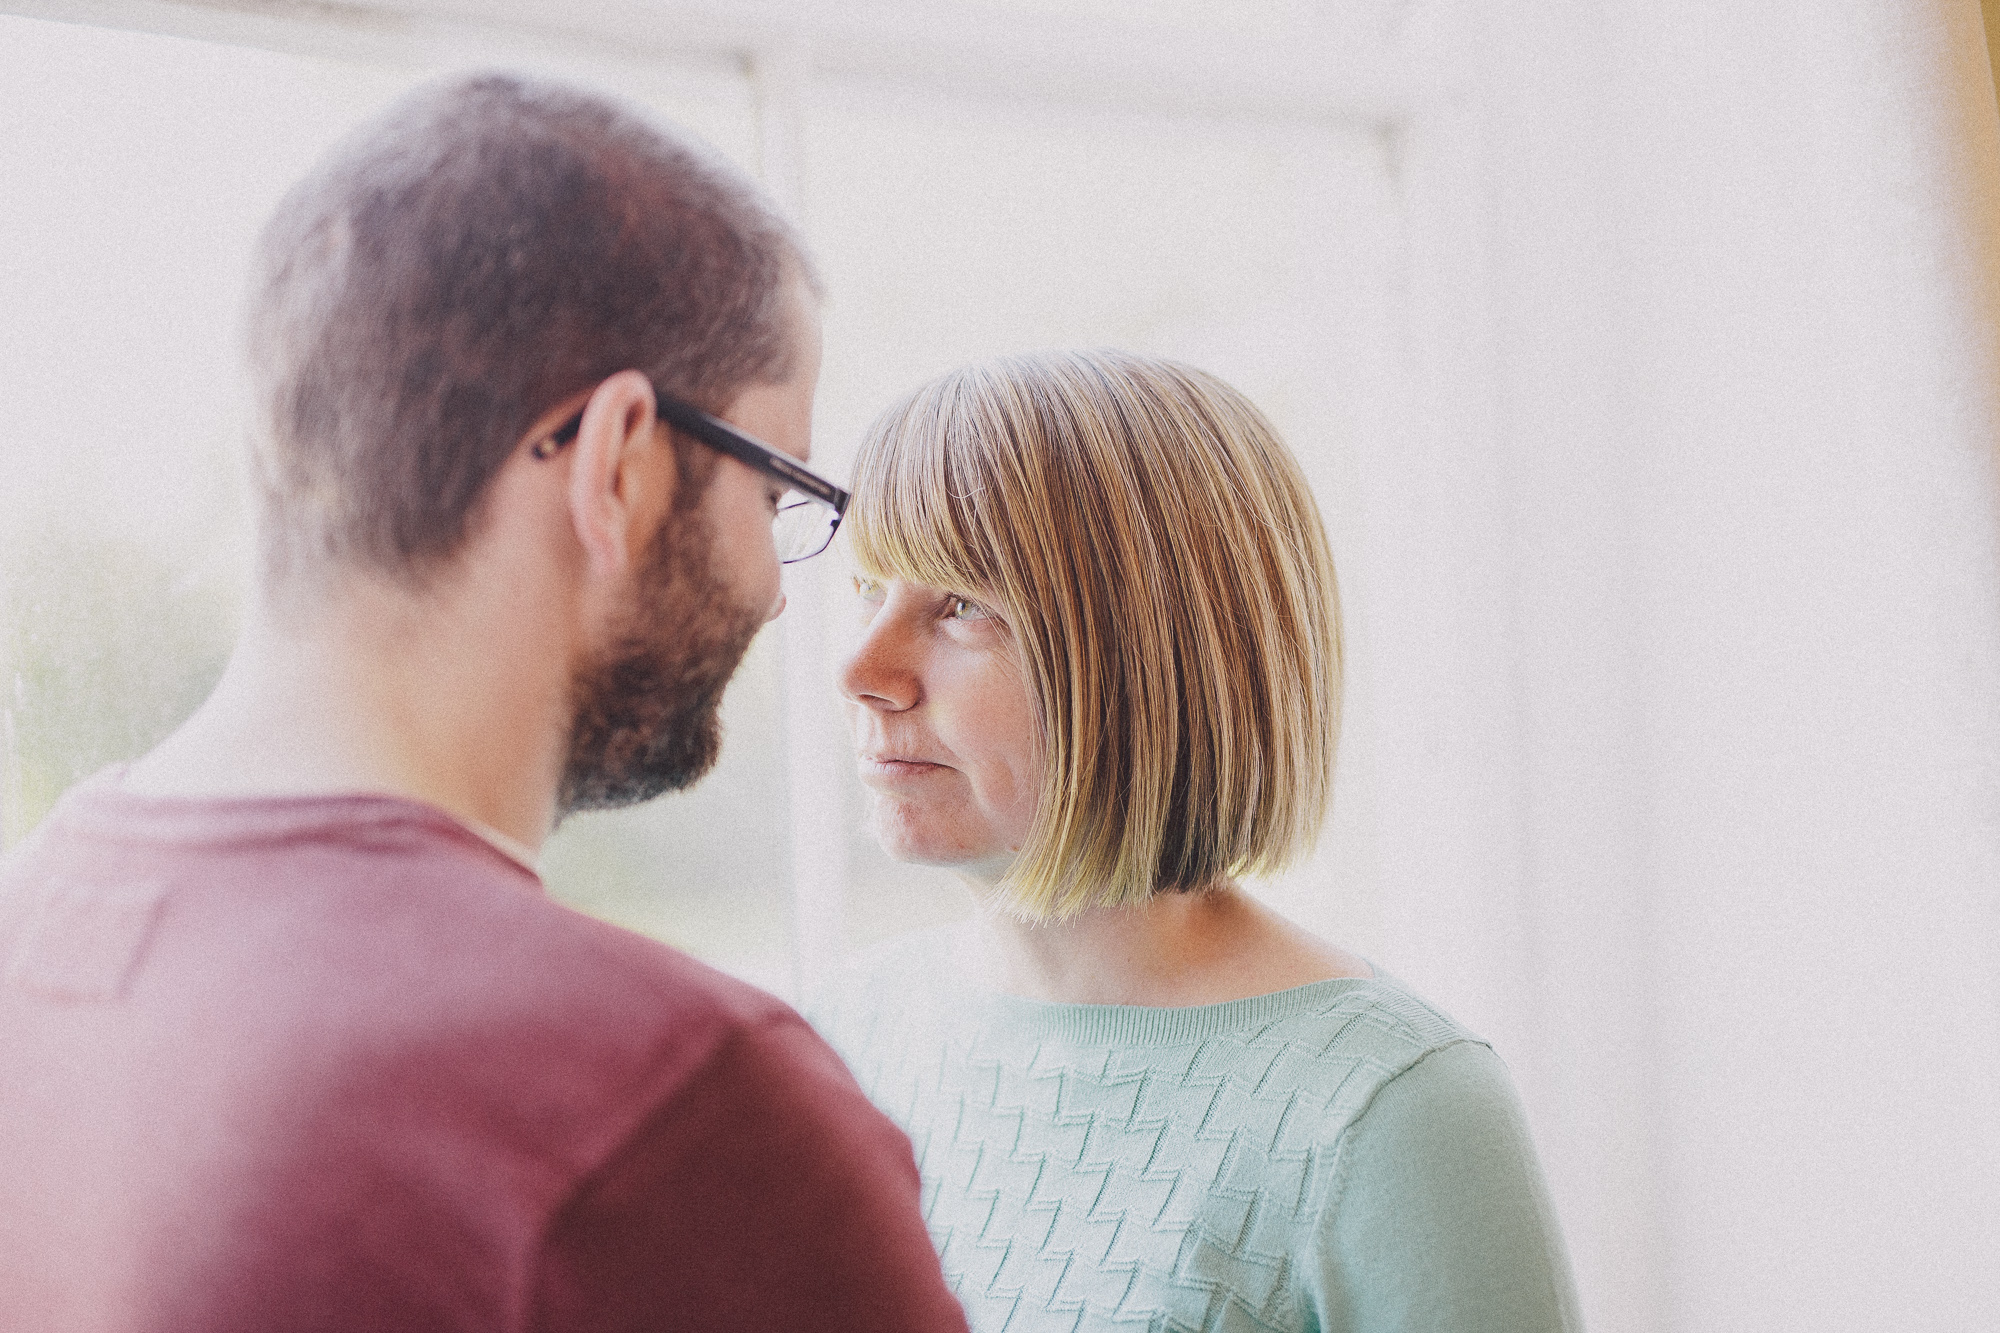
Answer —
1175 949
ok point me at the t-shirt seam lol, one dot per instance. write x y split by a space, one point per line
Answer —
87 811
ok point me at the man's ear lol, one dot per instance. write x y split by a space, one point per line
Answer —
620 479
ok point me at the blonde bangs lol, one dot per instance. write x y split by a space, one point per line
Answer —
905 520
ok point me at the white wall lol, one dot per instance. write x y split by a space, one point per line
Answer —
1742 387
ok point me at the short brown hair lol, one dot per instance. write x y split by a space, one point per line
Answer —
484 249
1163 566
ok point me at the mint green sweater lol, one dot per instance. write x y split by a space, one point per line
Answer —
1340 1156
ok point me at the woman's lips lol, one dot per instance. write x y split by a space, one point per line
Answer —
892 768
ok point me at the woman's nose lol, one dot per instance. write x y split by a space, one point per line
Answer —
878 673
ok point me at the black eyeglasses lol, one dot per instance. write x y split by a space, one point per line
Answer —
808 514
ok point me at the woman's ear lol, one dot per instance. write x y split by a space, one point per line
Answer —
621 480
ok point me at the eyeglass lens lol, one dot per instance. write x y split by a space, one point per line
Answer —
802 528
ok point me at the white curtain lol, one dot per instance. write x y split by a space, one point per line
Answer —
1722 704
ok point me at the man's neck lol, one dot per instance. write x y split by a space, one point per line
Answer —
380 689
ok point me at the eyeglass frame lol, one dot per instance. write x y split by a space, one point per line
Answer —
724 438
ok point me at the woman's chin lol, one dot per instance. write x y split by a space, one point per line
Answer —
921 842
922 852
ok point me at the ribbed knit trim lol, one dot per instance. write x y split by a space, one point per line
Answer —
1138 1025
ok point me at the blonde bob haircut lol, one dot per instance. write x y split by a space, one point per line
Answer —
1159 559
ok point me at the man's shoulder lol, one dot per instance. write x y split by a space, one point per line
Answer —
392 1021
535 1004
371 952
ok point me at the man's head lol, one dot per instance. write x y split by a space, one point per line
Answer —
467 260
487 253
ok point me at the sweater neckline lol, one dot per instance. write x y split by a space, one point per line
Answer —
1163 1025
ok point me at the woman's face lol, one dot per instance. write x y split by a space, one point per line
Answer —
944 729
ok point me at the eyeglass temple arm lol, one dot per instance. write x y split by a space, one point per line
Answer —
724 438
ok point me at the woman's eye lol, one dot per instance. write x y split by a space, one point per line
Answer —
964 608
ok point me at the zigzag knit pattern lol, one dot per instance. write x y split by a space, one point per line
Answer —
1096 1167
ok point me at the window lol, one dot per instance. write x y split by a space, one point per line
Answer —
952 223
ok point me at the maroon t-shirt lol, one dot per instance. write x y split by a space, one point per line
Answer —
338 1063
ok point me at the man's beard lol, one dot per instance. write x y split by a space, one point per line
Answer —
646 709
